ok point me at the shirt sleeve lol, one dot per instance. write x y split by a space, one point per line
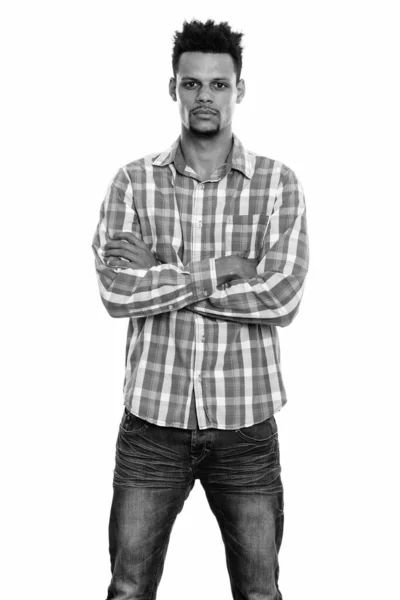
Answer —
273 297
128 292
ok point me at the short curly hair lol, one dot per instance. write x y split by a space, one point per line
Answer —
217 38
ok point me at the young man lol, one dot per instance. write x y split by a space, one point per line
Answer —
204 249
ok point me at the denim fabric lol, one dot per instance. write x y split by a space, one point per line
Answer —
156 468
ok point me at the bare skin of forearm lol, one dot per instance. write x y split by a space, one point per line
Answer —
234 267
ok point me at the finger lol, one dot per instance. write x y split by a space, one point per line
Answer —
116 263
124 253
129 237
122 248
124 235
119 244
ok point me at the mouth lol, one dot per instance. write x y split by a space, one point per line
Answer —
204 111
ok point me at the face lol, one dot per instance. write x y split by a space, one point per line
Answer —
206 91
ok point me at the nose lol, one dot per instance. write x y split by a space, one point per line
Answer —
204 94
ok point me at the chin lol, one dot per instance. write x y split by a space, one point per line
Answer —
205 133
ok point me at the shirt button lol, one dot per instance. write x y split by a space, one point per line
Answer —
201 186
170 307
203 339
205 293
199 223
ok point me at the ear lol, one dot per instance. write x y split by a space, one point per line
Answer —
241 88
172 88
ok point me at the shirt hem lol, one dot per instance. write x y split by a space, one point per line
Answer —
180 426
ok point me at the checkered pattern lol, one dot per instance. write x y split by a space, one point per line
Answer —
186 334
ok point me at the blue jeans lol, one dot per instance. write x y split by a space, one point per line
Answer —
156 468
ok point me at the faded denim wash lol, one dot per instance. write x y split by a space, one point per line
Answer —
156 468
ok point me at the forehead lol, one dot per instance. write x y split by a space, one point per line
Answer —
204 65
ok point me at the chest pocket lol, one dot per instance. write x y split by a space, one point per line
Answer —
244 234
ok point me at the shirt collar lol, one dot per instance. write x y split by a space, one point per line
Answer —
239 158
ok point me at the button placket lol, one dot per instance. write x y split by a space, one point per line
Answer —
198 366
197 221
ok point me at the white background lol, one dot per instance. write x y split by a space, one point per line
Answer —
86 91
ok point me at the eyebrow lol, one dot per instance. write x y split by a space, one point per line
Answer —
198 80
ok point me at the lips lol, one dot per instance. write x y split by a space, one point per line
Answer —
204 111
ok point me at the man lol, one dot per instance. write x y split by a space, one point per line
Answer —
204 249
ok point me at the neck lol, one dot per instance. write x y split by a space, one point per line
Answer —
204 155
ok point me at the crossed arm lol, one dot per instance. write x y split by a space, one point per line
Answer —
127 251
133 283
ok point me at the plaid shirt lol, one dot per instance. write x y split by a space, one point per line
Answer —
186 335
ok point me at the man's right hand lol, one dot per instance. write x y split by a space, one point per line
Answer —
127 250
235 267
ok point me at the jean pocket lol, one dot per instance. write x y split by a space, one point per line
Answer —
131 423
260 432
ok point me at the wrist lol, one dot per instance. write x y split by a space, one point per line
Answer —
226 268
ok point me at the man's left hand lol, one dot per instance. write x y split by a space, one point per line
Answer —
125 250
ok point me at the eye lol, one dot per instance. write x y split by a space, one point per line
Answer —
220 85
190 85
